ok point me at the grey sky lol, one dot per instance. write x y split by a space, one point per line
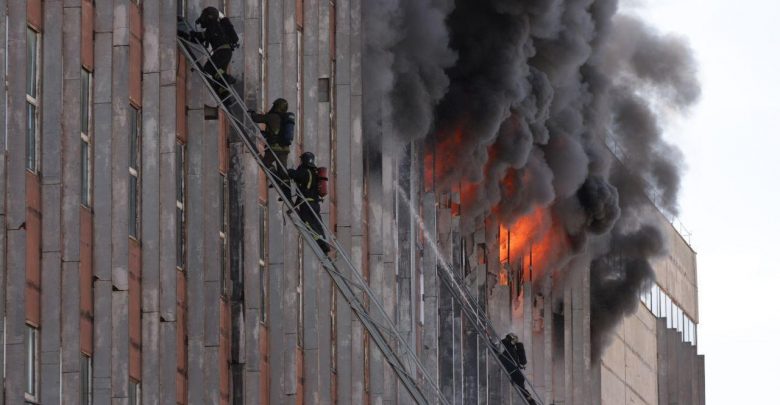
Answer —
731 191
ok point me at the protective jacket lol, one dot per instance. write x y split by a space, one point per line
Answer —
306 178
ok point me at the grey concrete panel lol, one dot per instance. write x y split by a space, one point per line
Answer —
663 362
51 217
343 334
168 362
152 356
212 187
51 114
167 250
71 173
50 327
195 246
120 107
103 72
71 387
356 47
71 317
151 36
252 337
276 333
16 100
101 360
323 40
211 375
343 31
120 344
212 293
311 326
102 193
251 65
104 16
324 318
430 349
275 10
167 43
150 191
121 28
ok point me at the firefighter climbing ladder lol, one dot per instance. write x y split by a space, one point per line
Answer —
479 319
347 278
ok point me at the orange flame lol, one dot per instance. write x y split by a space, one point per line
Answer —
536 241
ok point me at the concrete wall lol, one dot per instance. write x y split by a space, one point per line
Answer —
265 326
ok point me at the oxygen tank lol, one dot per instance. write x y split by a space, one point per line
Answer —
322 181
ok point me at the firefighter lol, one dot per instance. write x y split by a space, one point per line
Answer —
514 360
221 37
307 178
279 132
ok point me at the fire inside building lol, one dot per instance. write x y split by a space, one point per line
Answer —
447 201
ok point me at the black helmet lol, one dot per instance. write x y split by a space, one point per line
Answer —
208 13
280 105
307 158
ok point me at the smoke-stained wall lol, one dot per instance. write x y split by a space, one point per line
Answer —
527 105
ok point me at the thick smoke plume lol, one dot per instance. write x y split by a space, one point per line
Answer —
539 103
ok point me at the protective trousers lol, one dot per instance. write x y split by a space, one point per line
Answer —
217 68
310 215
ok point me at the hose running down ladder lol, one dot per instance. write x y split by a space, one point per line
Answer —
346 277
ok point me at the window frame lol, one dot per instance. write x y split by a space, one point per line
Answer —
33 158
134 170
32 366
181 210
86 381
86 138
223 237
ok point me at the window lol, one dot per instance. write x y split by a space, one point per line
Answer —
181 7
33 95
223 236
86 138
180 195
31 364
134 393
86 380
261 255
134 168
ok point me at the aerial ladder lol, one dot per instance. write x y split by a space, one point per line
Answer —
348 280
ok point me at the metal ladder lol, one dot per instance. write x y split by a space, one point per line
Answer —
479 319
348 280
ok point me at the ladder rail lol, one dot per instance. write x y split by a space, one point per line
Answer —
370 323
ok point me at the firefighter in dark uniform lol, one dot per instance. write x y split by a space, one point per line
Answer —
221 37
514 360
273 121
306 177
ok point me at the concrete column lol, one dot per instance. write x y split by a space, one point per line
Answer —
4 230
166 62
195 238
51 135
15 206
276 241
357 204
311 131
375 259
324 109
156 192
344 196
102 193
390 238
446 358
430 339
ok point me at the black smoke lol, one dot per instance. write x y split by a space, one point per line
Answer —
556 103
617 278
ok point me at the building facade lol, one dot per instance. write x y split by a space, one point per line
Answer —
144 259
